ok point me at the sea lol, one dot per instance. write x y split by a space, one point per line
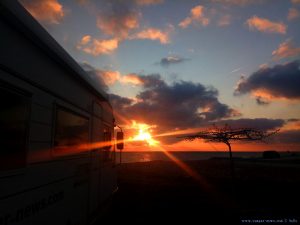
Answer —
130 157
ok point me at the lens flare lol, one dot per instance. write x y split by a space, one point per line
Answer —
144 133
179 132
187 169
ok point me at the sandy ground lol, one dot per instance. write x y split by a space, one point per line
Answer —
263 191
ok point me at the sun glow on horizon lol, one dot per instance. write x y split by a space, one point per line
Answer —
144 133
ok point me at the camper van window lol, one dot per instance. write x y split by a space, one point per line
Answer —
107 154
14 114
71 129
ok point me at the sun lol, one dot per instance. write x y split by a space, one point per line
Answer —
144 134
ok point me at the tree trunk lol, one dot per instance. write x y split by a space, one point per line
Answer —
231 162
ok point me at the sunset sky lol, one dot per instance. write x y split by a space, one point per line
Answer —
176 65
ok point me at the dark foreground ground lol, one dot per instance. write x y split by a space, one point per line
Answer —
263 192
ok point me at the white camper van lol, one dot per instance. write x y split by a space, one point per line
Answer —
48 103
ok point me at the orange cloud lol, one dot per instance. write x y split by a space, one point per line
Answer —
85 39
148 2
197 15
265 96
293 124
132 79
97 47
49 11
118 24
110 77
186 22
293 14
265 25
285 50
153 34
197 11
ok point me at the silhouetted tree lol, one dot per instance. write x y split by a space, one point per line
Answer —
227 134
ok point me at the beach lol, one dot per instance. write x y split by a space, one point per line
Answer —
262 191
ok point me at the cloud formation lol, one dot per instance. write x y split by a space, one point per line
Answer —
281 81
106 78
285 50
84 40
118 18
197 16
95 76
182 106
97 47
179 105
131 78
265 25
287 137
153 34
49 11
170 60
261 101
120 102
118 22
264 124
293 14
110 77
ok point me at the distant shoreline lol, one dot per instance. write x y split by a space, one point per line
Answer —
208 151
146 156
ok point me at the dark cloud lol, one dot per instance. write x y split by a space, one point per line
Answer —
180 105
256 123
95 76
290 137
120 102
152 81
169 60
261 101
184 105
280 81
287 137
